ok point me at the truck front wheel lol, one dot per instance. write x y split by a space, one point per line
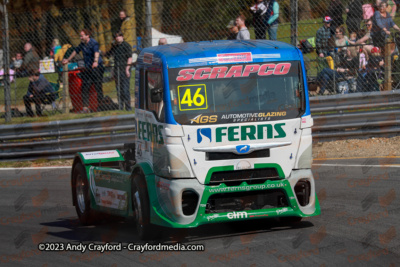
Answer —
81 193
141 209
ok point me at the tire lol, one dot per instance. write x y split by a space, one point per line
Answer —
290 220
81 194
141 209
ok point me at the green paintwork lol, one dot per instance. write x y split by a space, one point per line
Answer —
159 217
116 179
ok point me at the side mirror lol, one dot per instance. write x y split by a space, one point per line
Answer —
156 95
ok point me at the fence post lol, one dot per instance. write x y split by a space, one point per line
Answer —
387 85
293 21
148 24
6 57
65 94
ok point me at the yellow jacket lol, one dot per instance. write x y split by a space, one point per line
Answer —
127 30
60 54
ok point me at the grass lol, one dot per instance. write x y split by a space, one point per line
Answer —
20 86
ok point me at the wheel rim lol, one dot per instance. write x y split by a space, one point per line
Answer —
80 197
138 210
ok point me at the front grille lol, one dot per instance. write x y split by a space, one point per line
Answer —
241 201
251 176
264 153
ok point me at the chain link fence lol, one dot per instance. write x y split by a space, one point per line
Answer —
349 46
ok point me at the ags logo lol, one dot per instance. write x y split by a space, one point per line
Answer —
204 119
237 215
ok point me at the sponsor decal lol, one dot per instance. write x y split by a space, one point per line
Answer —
252 116
110 177
192 97
242 149
111 198
150 132
100 154
235 71
204 132
204 119
242 133
148 58
212 217
234 57
280 211
246 188
237 215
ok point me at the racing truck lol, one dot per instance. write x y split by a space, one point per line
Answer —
223 133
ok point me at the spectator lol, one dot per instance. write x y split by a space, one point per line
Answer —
382 25
374 73
162 41
323 35
122 53
354 15
272 18
391 6
259 10
335 11
55 47
243 33
94 69
366 40
342 41
31 61
127 28
17 61
346 66
233 30
39 90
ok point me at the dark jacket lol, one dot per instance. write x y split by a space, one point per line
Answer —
121 52
40 86
355 10
31 61
270 13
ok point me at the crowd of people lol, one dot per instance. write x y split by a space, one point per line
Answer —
358 58
355 46
265 20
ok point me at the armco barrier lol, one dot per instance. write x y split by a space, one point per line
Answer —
63 139
356 115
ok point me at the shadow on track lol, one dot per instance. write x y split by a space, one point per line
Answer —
123 230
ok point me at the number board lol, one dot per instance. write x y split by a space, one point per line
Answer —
192 97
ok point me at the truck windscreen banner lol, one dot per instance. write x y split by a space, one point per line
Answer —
236 93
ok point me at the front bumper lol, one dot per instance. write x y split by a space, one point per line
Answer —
166 200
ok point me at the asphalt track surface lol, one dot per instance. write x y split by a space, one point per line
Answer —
358 225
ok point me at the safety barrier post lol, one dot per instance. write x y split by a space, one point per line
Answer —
387 85
65 90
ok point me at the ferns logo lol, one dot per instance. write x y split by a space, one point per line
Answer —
204 132
242 133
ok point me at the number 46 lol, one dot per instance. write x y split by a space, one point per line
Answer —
198 99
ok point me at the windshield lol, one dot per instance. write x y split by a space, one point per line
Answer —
236 93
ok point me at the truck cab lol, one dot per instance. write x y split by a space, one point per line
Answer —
223 133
